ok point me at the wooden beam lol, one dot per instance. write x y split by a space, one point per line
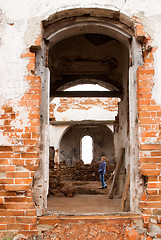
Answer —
109 94
126 188
84 122
116 173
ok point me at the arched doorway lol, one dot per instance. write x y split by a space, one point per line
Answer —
92 49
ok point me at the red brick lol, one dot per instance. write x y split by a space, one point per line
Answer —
17 206
153 205
5 161
33 129
18 162
31 168
146 72
152 102
17 174
4 193
144 90
32 97
17 227
33 227
7 122
26 135
27 55
33 91
159 114
154 198
5 220
152 179
150 147
29 220
150 172
148 166
7 168
131 234
150 160
15 187
149 108
3 227
152 192
23 103
29 155
34 116
33 103
154 185
9 129
144 114
5 155
6 148
18 199
153 114
157 153
16 155
148 120
6 181
30 142
33 78
149 133
31 66
13 116
2 186
35 135
23 181
8 109
7 212
31 212
34 123
147 211
144 102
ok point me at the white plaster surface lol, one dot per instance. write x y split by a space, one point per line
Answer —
94 113
21 121
55 135
73 114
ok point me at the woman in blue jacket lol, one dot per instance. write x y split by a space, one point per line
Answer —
102 171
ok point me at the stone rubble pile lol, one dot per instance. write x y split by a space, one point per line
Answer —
70 180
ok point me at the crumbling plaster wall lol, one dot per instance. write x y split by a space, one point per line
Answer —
78 109
70 145
20 24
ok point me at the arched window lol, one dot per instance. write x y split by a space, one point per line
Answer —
87 149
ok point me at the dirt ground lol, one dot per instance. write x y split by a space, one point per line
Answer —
88 199
83 204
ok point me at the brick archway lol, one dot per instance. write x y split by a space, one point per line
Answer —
148 134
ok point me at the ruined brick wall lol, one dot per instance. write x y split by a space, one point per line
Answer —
149 113
109 104
19 156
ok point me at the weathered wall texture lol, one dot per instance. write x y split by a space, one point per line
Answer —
20 89
65 109
70 145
